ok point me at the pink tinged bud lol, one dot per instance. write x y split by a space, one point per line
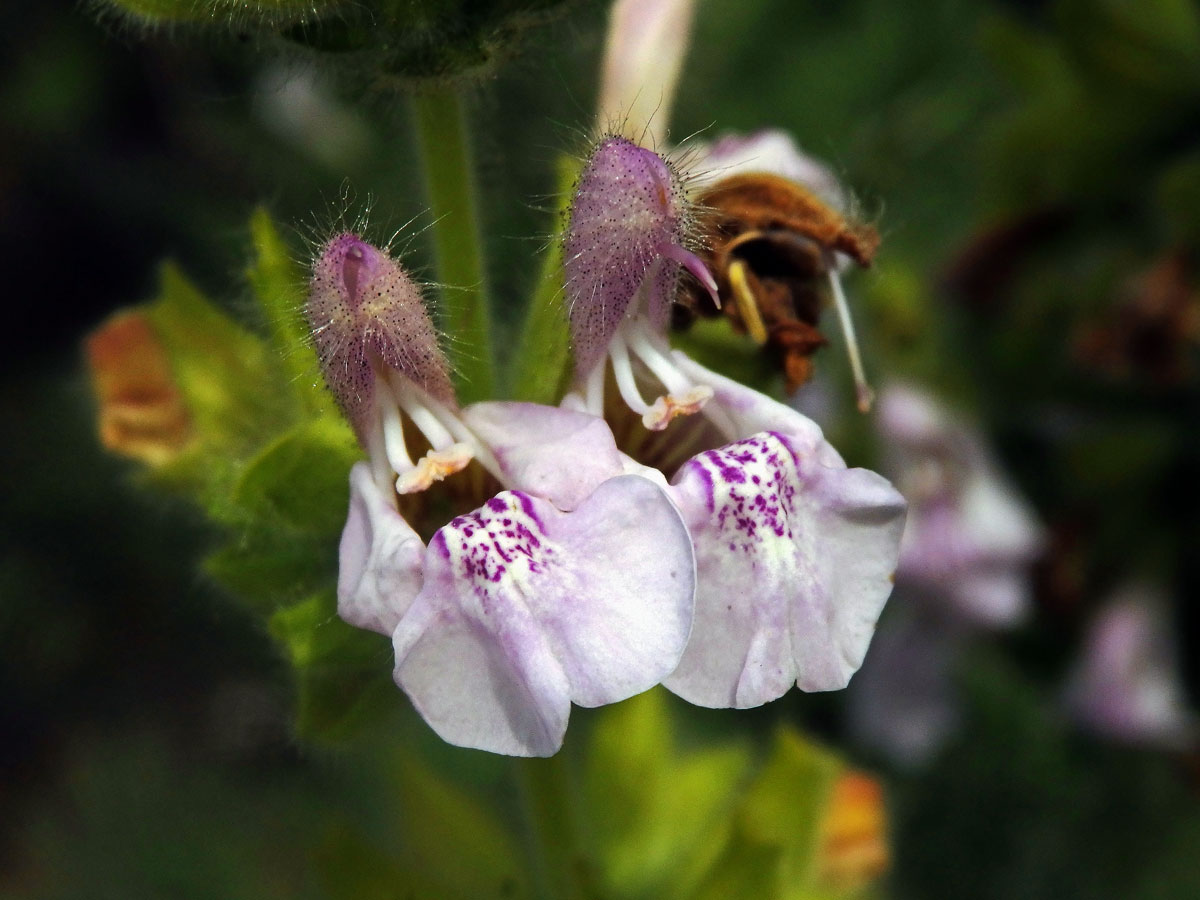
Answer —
629 227
368 320
647 40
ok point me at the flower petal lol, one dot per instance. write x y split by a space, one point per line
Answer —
971 537
860 518
481 673
558 454
794 563
751 411
633 562
1126 684
379 566
526 608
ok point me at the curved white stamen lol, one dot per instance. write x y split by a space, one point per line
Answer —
865 395
381 470
438 435
623 371
464 435
593 391
663 368
395 449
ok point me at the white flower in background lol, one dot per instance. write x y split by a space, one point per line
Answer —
1125 684
971 538
965 567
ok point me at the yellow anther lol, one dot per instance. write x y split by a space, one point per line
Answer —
743 299
666 408
435 465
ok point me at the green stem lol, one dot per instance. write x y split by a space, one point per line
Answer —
458 250
543 354
546 787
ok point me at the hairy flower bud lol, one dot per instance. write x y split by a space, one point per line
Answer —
368 319
630 223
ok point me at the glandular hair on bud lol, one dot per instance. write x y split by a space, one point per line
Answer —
628 214
368 318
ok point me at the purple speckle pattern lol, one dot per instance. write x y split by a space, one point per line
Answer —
751 491
628 204
365 311
502 541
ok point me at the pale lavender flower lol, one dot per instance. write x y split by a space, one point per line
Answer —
795 553
574 584
971 539
526 609
965 565
1125 684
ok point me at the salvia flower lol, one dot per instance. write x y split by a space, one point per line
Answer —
630 229
1125 685
379 353
965 567
573 584
794 552
971 538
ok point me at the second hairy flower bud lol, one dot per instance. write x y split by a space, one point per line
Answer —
368 318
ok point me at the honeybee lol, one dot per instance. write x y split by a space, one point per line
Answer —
771 244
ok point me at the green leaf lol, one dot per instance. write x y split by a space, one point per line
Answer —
270 566
785 805
454 838
342 673
226 374
301 479
746 870
277 281
659 818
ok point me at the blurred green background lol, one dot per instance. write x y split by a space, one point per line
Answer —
1026 162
